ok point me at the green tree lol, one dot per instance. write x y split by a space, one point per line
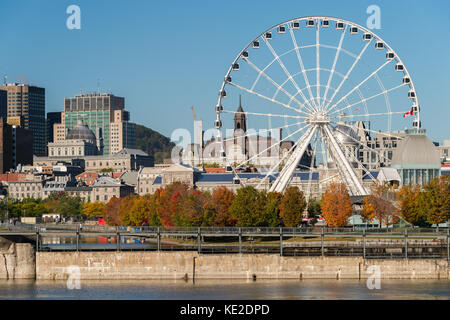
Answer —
314 208
293 204
271 214
246 207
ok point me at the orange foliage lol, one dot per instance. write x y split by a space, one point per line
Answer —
336 205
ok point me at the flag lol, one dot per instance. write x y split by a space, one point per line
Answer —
357 109
409 113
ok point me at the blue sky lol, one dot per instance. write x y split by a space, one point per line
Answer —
165 56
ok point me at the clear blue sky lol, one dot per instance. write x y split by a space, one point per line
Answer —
164 56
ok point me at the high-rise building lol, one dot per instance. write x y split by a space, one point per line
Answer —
52 119
26 108
12 152
3 104
106 116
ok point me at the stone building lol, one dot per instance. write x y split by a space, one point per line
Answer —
104 188
417 159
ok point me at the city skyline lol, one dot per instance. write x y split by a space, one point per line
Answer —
168 61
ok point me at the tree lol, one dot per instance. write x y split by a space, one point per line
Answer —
112 212
411 202
314 208
125 208
437 200
138 213
246 207
94 209
292 205
222 198
271 214
336 205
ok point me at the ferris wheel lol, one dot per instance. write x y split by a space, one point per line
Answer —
319 79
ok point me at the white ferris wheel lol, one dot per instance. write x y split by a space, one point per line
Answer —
315 78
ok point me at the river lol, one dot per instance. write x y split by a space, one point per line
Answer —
224 289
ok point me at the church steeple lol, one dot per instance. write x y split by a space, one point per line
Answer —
240 120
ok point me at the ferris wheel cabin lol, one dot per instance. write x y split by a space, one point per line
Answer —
310 23
399 67
339 25
411 94
353 30
281 29
367 37
325 23
268 35
379 45
255 44
390 55
295 25
406 80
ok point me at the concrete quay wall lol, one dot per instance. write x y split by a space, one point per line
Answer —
179 265
17 260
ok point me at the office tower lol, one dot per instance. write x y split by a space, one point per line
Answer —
3 105
26 108
105 115
52 119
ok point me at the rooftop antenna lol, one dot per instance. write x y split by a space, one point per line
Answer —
193 114
4 79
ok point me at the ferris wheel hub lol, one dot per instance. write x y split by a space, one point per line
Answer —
318 118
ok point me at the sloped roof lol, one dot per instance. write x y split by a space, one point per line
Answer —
128 151
105 181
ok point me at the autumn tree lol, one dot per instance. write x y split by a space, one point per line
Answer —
292 205
411 203
139 212
222 198
437 200
94 209
112 212
336 205
379 205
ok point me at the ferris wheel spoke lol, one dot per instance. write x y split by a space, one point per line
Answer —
370 114
317 63
266 98
369 130
333 68
255 134
264 114
286 173
365 147
273 145
348 73
359 85
288 74
367 99
279 88
277 164
313 155
300 61
345 169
